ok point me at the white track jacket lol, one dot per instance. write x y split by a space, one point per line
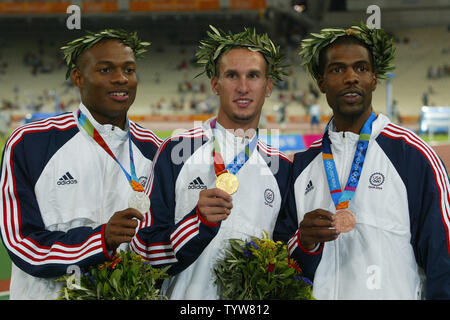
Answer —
402 214
58 190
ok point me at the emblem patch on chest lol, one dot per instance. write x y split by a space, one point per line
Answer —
269 197
376 180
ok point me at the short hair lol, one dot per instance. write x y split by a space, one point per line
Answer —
75 48
219 58
343 40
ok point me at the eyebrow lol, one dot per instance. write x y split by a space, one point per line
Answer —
110 63
345 64
249 71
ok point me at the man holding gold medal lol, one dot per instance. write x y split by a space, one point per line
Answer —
217 181
71 184
369 208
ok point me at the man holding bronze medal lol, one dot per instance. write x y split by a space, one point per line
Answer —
368 211
71 184
217 181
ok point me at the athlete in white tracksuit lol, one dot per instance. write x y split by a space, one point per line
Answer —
398 191
58 191
402 214
179 235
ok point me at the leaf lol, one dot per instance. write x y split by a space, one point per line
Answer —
215 30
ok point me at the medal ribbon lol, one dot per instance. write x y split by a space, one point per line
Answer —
238 161
341 199
92 132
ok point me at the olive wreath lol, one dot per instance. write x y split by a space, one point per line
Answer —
75 48
382 46
218 43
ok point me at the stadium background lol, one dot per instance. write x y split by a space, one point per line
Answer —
169 96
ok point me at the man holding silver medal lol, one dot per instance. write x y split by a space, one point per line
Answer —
71 184
217 181
369 207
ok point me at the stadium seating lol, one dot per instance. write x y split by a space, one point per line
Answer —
160 75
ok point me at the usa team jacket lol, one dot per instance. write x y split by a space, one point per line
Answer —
400 245
178 235
58 189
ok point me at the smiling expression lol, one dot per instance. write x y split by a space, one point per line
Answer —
242 86
106 76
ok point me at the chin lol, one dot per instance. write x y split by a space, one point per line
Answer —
352 110
243 118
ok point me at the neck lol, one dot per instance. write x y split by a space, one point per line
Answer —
351 123
242 130
118 121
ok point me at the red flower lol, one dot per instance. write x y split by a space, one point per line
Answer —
293 264
115 262
270 267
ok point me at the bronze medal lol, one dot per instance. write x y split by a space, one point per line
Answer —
344 220
228 182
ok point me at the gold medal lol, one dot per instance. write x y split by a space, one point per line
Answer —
228 182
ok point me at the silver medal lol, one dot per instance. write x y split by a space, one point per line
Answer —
139 201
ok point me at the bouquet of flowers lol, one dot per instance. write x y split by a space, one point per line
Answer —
127 277
260 269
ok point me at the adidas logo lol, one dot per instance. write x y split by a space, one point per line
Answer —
197 183
309 187
66 179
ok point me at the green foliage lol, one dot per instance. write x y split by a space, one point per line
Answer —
76 47
260 270
381 44
128 277
218 43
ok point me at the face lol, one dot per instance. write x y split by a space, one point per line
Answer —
106 76
348 81
242 86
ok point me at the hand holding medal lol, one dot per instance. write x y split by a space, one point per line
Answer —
214 205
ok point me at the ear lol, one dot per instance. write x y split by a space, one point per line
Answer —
77 78
374 81
321 83
269 87
215 85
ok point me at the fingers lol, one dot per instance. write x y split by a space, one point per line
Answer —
131 213
121 227
313 236
317 226
318 218
216 193
214 205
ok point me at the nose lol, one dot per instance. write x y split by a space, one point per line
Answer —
350 76
242 87
119 77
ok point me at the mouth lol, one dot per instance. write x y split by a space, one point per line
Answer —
119 95
243 102
351 96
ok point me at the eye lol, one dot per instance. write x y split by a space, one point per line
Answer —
104 70
231 75
254 75
362 68
336 69
130 70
